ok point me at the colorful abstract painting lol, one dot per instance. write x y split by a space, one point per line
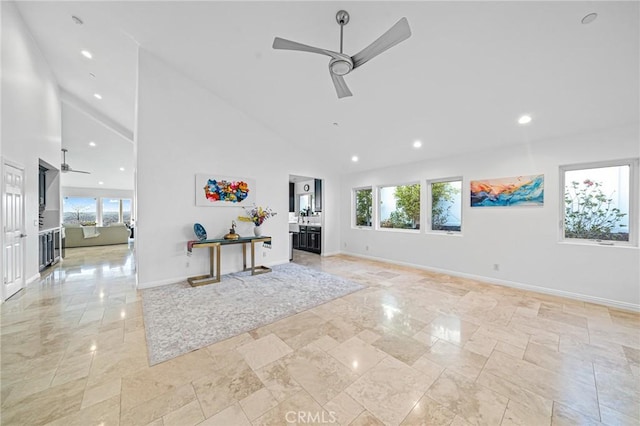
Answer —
511 191
214 190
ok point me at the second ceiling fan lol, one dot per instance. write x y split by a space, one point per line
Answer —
342 64
65 168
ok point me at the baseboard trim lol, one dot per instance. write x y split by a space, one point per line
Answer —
34 278
513 284
160 283
331 253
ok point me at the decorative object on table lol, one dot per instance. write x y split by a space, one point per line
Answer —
232 232
179 318
215 190
257 215
511 191
201 234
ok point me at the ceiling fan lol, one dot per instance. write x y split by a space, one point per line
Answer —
64 167
342 64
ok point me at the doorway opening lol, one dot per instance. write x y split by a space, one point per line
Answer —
305 216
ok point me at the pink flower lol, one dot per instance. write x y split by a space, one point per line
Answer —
588 182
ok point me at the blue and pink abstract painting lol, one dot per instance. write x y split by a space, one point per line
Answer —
511 191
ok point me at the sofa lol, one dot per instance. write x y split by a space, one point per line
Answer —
116 233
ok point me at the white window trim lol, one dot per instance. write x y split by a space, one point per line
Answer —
100 206
429 203
97 201
120 213
353 208
633 202
377 209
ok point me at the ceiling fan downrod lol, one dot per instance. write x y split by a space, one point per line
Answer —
343 19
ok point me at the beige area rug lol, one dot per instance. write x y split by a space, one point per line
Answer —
179 318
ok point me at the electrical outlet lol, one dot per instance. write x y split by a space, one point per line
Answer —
345 244
496 267
366 248
187 264
264 254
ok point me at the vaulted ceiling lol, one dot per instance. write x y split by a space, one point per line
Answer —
458 84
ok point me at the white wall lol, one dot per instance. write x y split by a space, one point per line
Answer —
31 115
524 241
183 129
70 191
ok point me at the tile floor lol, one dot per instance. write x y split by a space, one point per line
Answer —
414 348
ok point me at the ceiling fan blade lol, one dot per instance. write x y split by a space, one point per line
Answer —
80 171
399 32
341 87
282 44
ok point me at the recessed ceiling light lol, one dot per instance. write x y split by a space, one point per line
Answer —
122 169
92 143
97 95
589 18
417 144
86 54
354 158
525 119
101 183
92 75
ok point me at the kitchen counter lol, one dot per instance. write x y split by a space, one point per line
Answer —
43 230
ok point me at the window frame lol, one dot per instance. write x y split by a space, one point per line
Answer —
354 207
377 209
429 207
97 206
633 201
121 210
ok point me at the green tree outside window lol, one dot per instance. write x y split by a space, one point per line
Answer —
364 203
591 214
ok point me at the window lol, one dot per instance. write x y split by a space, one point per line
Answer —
116 210
82 210
363 206
597 203
400 206
446 205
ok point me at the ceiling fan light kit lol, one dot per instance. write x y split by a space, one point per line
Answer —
342 64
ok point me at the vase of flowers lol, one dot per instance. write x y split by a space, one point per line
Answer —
257 215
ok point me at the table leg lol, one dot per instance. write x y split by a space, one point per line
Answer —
211 260
214 269
253 257
218 248
244 256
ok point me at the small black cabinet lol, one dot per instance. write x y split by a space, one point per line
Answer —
302 238
313 238
49 248
292 197
309 239
318 195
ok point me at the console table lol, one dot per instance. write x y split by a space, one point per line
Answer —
214 257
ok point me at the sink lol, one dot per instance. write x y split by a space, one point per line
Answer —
294 227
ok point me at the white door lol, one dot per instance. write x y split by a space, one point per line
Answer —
13 228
